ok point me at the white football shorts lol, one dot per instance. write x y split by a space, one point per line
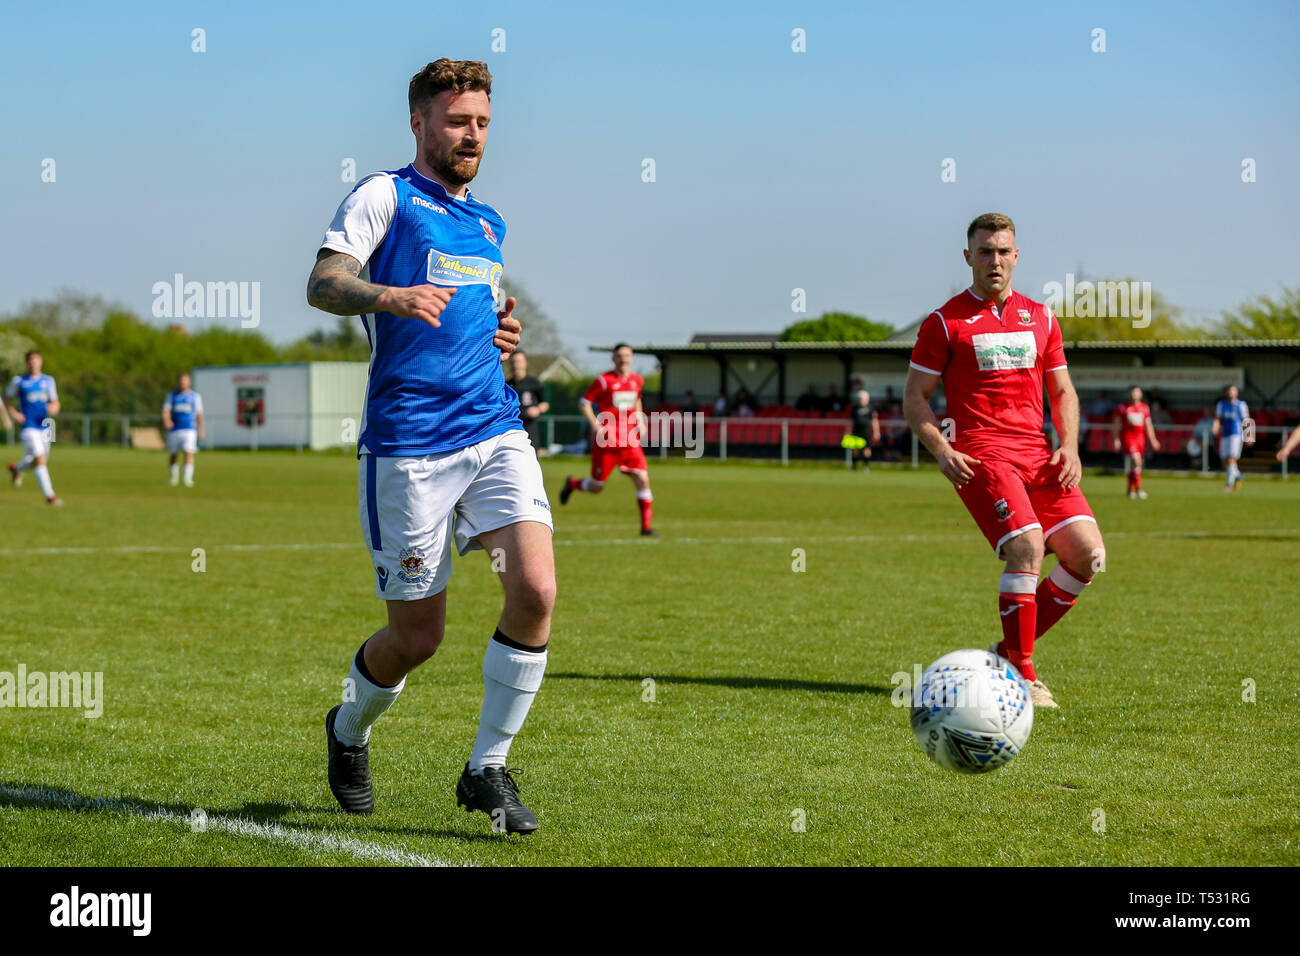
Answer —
182 439
1229 446
413 508
36 441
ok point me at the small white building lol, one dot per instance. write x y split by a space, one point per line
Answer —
287 405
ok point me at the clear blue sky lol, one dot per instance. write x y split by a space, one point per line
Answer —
775 170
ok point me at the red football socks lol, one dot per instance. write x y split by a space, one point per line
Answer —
1018 606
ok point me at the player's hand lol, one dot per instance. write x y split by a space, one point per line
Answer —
1115 445
1155 444
957 467
423 302
1071 467
18 417
508 329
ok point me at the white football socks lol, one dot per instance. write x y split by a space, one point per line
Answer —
189 474
511 679
24 463
43 479
353 721
175 473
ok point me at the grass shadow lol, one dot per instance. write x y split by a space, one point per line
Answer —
38 796
736 683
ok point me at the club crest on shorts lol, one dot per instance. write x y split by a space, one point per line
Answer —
411 567
1002 509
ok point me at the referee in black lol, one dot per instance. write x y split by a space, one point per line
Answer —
532 396
866 425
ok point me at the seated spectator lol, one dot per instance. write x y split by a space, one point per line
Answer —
689 405
809 401
1101 407
833 402
720 405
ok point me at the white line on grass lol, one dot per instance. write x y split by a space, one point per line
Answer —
272 832
785 539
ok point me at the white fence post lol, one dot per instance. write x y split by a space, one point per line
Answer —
722 440
785 441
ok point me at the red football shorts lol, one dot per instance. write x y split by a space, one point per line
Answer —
1009 498
627 460
1136 447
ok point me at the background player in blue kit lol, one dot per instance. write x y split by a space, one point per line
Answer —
444 458
1230 415
183 419
36 400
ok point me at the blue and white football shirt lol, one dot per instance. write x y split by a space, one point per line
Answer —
183 406
33 392
430 390
1230 415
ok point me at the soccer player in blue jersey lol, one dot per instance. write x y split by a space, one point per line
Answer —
1230 417
444 458
36 400
182 413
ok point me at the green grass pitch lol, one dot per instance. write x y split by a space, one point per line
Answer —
772 687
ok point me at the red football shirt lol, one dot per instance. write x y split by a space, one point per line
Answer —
993 363
617 396
1133 422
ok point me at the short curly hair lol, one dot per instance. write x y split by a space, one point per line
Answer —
445 74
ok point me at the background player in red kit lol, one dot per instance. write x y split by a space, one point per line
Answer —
993 348
1131 430
616 427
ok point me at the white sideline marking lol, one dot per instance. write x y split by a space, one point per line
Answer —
787 539
172 549
299 839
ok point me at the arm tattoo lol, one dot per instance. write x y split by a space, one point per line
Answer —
335 285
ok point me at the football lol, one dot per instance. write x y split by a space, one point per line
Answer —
972 711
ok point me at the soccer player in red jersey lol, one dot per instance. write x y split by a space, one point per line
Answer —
616 427
1132 428
994 349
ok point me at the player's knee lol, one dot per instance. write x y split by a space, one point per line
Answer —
534 597
423 644
417 640
1092 562
1024 553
